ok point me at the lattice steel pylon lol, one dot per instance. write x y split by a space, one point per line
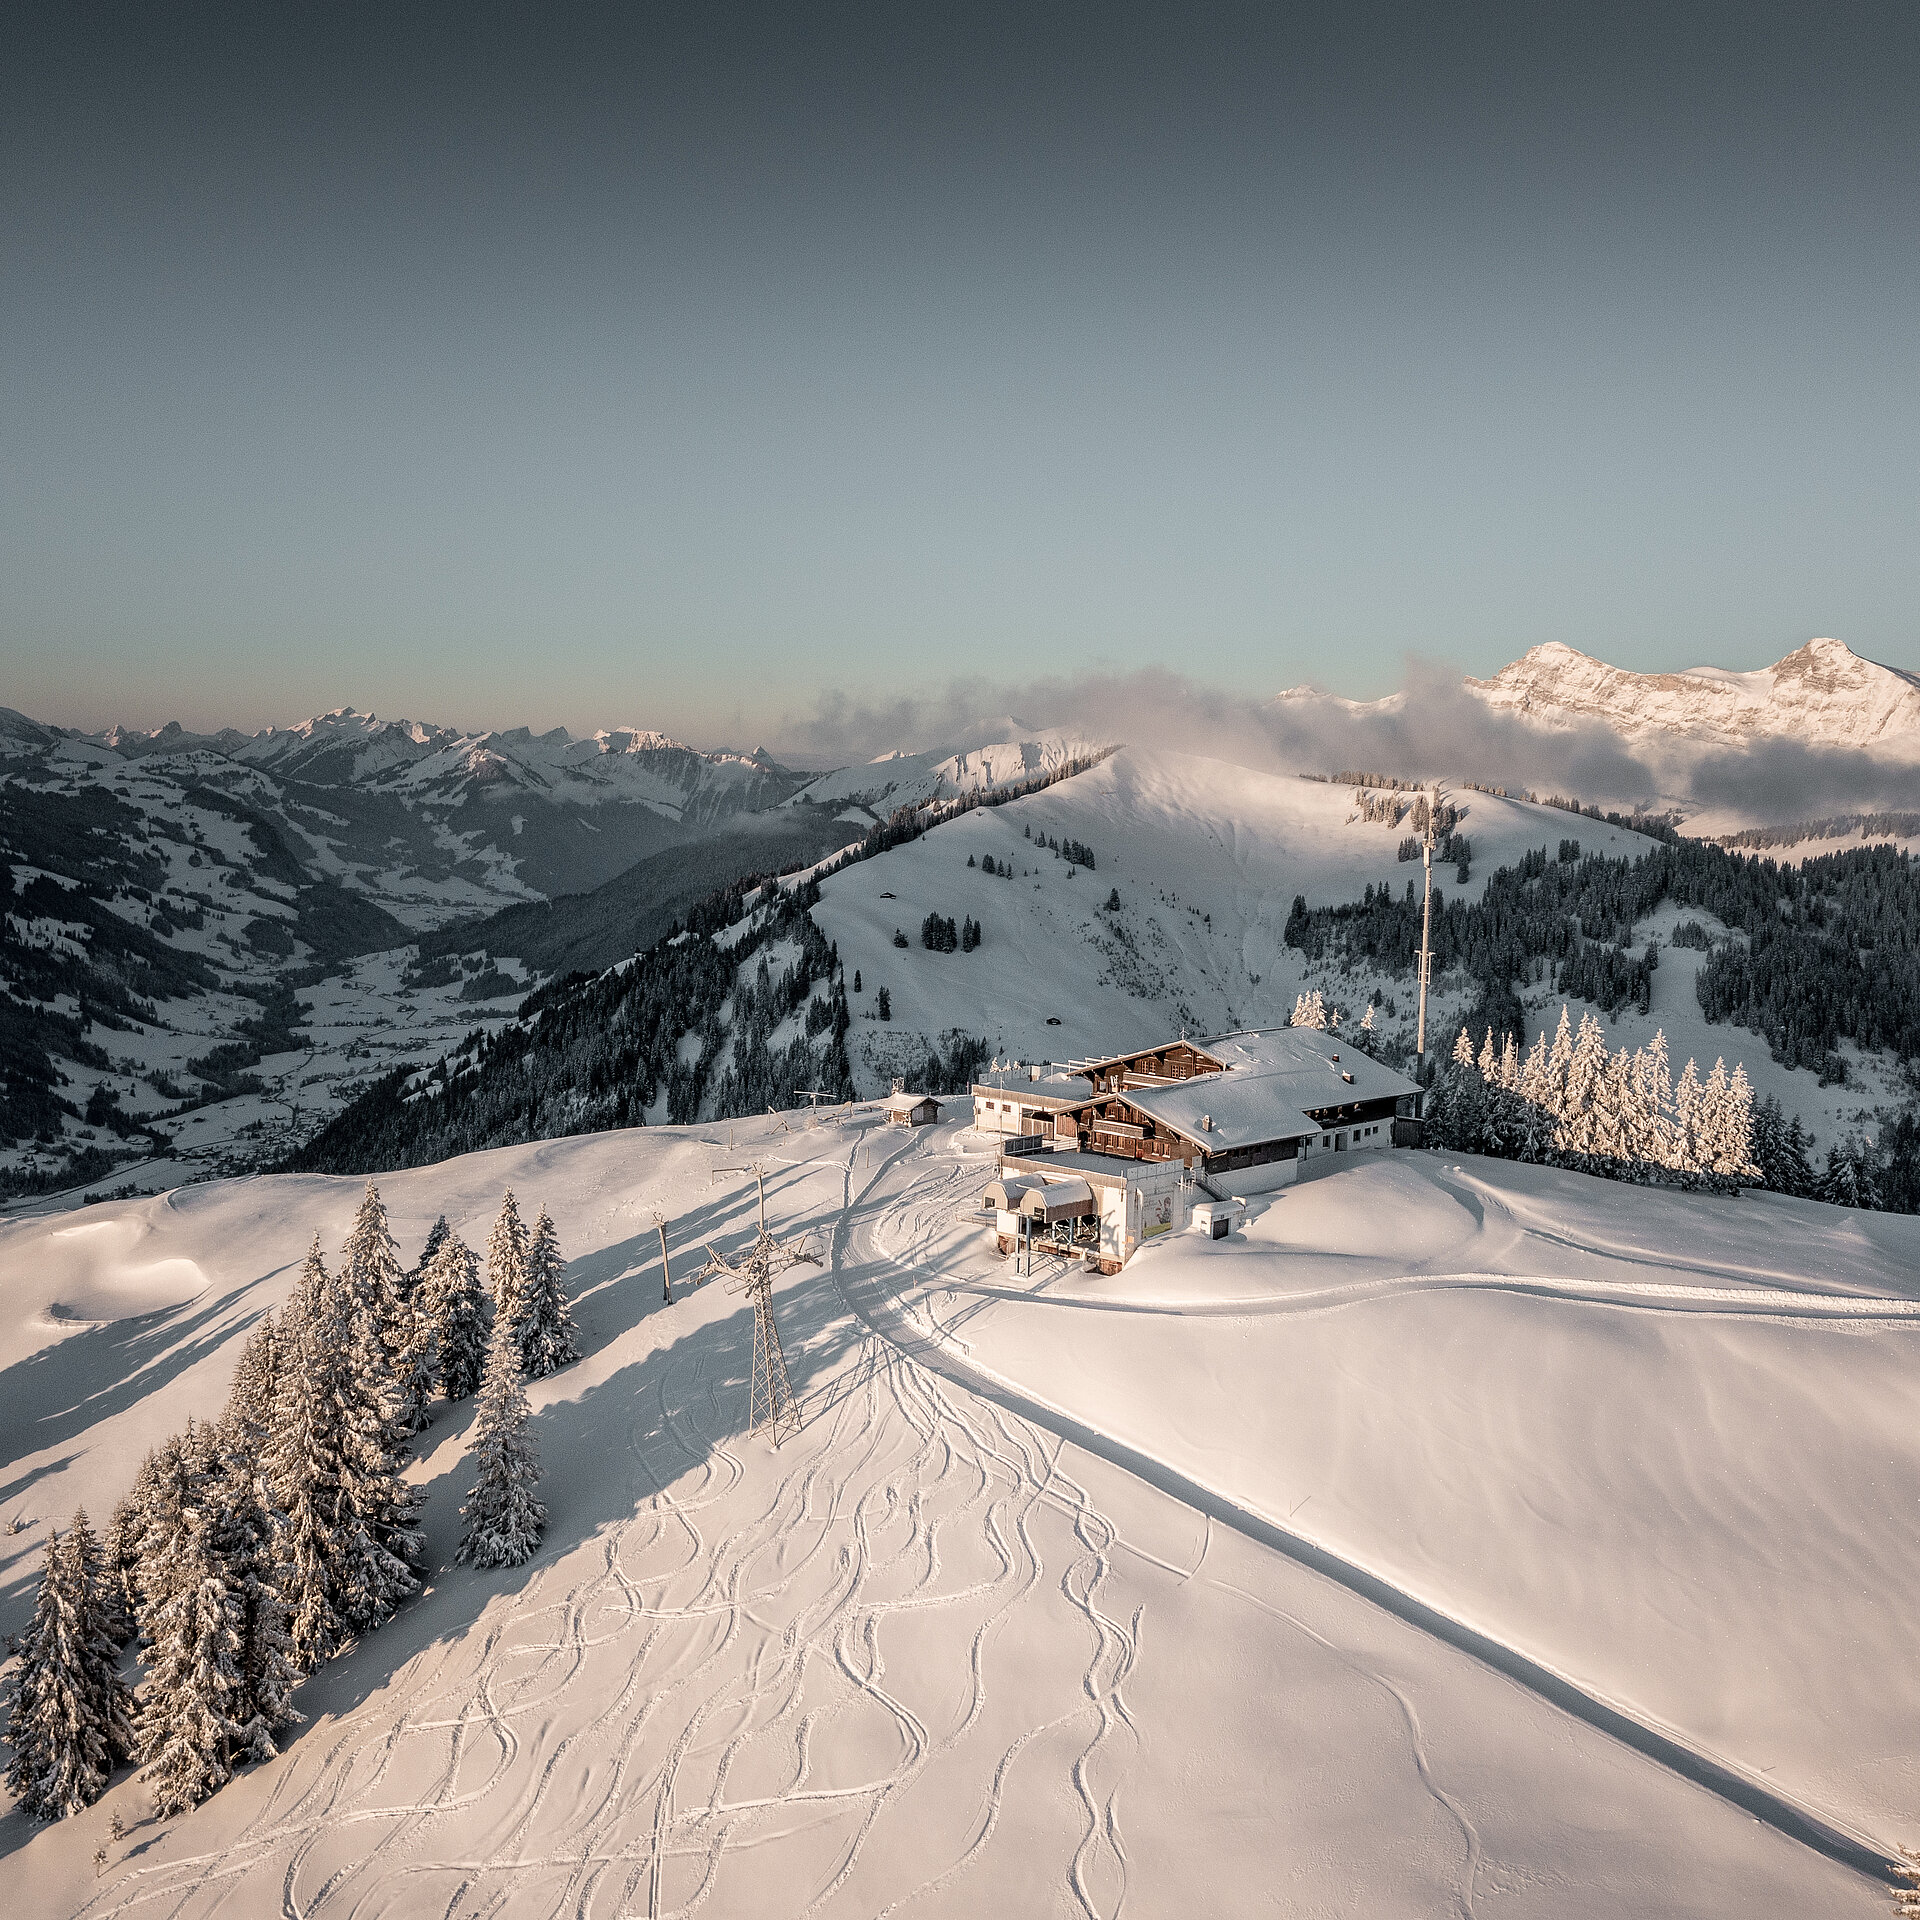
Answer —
770 1404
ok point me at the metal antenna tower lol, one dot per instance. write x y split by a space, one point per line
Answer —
770 1403
1428 839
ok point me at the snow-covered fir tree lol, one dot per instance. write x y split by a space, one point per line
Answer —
376 1285
69 1720
503 1515
119 1565
507 1260
162 1492
103 1640
1851 1178
1309 1010
1572 1103
189 1706
454 1299
241 1536
1782 1150
436 1238
416 1360
345 1546
250 1397
543 1322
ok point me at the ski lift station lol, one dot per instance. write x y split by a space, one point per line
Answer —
1103 1155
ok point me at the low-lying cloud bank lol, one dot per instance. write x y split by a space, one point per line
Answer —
1431 727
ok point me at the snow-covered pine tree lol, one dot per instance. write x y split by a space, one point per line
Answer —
1559 1070
1690 1154
1733 1131
256 1374
417 1359
1309 1010
100 1642
1616 1116
1770 1145
189 1705
503 1515
241 1538
1457 1105
163 1490
57 1729
548 1338
1651 1139
1580 1135
1851 1178
376 1284
119 1566
1534 1094
345 1548
436 1239
1798 1159
507 1261
455 1302
1710 1119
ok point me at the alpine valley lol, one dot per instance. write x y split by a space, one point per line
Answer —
1514 1523
225 951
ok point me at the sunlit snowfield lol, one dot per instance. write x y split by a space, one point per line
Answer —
1017 1622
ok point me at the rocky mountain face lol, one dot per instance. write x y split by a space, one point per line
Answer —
1823 695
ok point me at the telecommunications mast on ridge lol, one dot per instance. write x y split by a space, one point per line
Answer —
770 1404
1428 838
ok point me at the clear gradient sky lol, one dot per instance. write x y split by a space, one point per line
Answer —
687 366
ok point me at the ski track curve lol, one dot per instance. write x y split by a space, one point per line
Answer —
917 1329
750 1604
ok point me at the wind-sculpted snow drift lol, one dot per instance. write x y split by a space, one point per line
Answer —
935 1655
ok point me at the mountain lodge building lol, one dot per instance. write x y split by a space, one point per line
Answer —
1147 1130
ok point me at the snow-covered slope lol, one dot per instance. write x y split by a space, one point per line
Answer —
952 1651
1823 695
1207 859
992 753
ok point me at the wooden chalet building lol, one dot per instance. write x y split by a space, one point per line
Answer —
1240 1114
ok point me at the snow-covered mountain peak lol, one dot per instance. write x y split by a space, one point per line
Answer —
1823 694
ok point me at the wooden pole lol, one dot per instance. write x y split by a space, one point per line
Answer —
666 1271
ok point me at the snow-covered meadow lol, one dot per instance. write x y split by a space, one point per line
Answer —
1027 1618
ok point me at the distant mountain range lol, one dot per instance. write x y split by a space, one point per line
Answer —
1823 695
189 893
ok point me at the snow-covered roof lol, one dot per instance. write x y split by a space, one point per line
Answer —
1006 1193
1325 1069
1274 1080
906 1102
1053 1200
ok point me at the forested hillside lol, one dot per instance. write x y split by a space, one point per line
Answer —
585 932
698 1027
1811 955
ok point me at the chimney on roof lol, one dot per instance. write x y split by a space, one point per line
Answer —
1206 1123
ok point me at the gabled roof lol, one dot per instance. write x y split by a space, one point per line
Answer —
1274 1080
1093 1068
1244 1111
1320 1068
906 1102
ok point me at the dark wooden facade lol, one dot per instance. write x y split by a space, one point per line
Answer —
1177 1060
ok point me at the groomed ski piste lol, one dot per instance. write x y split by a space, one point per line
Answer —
1457 1539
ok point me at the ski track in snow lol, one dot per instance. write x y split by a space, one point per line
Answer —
928 1205
736 1636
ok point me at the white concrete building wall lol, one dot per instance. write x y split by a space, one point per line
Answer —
1267 1179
